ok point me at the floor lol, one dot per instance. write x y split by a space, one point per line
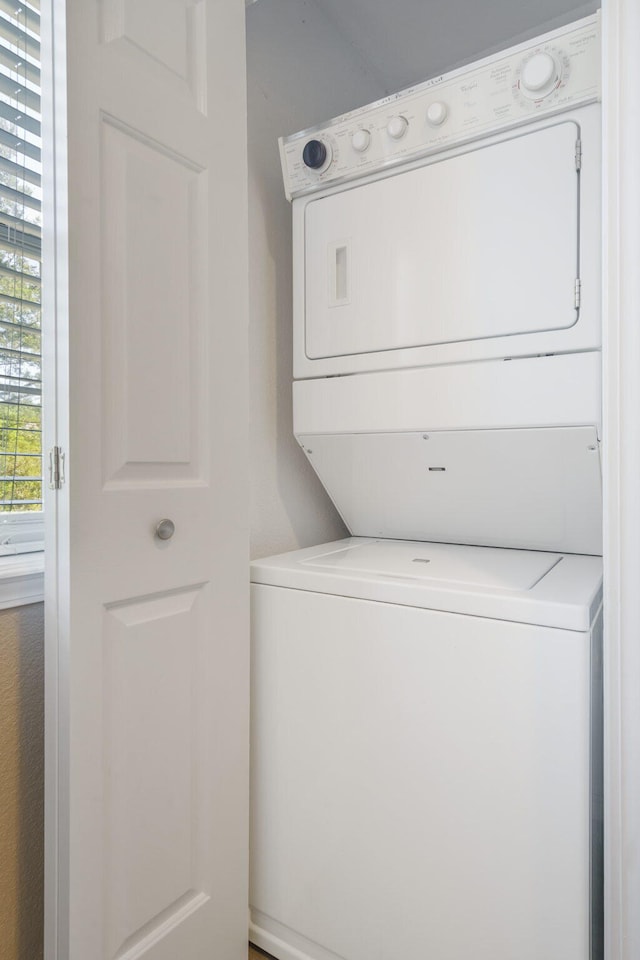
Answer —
256 954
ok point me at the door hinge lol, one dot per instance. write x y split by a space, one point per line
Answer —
578 154
56 468
578 289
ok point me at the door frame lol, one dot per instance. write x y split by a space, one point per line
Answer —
55 269
621 397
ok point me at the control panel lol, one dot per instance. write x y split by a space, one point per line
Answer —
548 75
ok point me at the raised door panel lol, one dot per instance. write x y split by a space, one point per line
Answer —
155 674
154 310
171 32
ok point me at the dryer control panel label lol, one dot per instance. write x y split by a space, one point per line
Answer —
548 75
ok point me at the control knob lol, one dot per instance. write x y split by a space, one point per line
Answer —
316 154
360 140
539 75
437 113
397 127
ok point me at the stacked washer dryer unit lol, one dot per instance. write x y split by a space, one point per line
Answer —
426 699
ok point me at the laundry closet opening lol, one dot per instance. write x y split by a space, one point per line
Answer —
426 412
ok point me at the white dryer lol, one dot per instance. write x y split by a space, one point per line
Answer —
456 221
447 302
426 759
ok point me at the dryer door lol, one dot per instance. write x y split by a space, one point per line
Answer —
481 245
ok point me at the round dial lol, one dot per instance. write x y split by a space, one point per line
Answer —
397 127
539 75
361 140
316 155
437 113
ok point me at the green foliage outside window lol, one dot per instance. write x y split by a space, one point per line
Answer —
20 244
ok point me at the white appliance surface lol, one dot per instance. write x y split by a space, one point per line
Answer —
476 567
498 453
422 778
555 391
447 253
545 589
536 489
492 94
473 236
487 250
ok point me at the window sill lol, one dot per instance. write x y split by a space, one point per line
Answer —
21 580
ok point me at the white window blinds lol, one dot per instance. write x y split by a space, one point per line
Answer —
20 261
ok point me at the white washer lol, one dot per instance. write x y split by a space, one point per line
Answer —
426 763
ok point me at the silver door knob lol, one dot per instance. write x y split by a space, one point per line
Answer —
165 530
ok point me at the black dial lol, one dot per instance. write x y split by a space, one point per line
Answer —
314 154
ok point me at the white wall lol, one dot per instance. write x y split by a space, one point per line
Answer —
301 71
411 40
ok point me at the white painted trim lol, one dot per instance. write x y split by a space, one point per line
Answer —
21 533
21 580
261 938
55 506
621 357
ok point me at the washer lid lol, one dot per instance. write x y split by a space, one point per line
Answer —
446 563
545 589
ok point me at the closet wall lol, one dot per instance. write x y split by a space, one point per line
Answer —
301 71
21 782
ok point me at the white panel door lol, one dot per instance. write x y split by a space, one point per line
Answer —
481 245
148 641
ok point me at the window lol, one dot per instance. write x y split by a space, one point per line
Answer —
20 270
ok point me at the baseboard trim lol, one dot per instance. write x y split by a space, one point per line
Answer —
274 945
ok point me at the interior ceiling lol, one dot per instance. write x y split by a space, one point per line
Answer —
405 41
